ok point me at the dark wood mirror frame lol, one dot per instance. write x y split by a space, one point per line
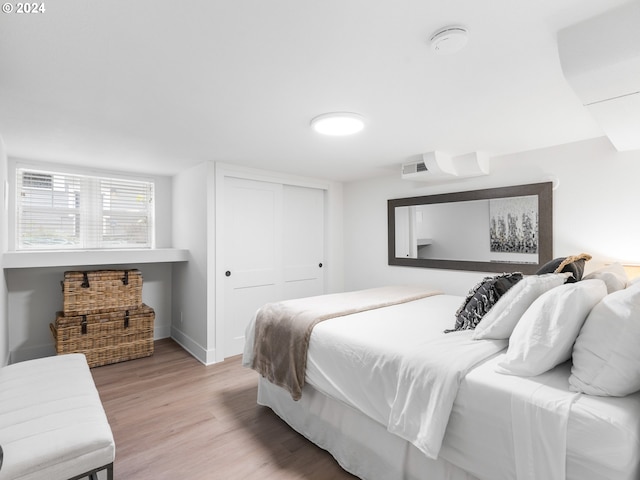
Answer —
545 227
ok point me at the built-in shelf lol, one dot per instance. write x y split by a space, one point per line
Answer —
424 241
62 258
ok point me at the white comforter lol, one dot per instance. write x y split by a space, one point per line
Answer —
409 386
427 383
501 427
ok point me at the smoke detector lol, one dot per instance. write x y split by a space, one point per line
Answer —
449 40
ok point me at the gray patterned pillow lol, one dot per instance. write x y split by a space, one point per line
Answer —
481 298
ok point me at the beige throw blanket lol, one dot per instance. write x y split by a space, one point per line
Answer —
283 329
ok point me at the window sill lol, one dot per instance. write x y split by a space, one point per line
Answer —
63 258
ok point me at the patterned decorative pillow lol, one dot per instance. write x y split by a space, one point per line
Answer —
481 298
573 264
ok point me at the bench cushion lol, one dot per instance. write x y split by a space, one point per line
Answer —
52 423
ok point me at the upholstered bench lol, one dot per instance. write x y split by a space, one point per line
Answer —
52 423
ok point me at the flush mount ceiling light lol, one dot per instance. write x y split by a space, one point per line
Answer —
338 123
449 40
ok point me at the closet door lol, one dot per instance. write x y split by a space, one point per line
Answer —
303 242
273 241
253 254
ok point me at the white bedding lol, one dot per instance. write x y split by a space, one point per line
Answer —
407 382
601 435
489 431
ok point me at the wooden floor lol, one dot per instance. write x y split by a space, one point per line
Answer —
174 418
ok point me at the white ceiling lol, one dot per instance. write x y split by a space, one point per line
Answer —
157 86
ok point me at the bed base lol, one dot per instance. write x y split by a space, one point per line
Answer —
360 445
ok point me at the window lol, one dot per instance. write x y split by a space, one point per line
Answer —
72 211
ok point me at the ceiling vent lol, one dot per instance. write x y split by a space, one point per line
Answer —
412 168
434 166
600 59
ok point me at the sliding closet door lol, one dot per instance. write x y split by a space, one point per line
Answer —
303 223
253 254
273 249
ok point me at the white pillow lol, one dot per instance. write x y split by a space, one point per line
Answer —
606 356
545 335
500 320
614 276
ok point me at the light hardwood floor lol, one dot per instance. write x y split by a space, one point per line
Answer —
174 418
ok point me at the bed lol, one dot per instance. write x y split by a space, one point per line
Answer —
371 398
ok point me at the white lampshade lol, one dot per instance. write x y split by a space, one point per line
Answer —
633 271
338 123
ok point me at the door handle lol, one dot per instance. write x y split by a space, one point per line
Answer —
320 265
227 273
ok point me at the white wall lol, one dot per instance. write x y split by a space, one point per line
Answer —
441 224
164 210
4 323
334 235
190 310
594 211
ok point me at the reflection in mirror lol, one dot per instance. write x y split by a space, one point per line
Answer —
501 229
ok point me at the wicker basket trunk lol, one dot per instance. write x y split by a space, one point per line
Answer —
101 291
108 337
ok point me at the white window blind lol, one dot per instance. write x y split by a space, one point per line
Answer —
60 210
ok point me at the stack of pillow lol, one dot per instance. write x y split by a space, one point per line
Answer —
558 314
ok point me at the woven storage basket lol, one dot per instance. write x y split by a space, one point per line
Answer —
108 337
100 291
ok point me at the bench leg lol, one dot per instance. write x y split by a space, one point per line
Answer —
93 475
109 468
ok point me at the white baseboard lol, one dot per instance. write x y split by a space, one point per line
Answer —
204 356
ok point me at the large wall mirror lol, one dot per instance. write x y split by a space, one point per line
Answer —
493 230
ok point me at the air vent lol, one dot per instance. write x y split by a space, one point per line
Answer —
416 167
438 166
